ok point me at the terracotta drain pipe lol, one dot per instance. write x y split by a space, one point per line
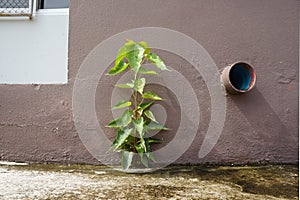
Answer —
238 78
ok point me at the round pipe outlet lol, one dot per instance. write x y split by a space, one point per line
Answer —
238 78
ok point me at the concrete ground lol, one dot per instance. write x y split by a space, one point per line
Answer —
48 181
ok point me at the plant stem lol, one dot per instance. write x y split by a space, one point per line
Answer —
135 117
134 143
135 105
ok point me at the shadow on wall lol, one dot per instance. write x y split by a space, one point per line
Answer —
264 120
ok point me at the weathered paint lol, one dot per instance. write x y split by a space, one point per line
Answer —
261 126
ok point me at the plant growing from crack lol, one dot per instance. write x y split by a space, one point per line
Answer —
136 120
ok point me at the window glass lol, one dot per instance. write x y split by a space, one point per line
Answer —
48 4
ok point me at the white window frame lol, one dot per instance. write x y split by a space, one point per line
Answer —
42 42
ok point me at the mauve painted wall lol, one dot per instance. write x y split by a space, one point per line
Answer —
262 126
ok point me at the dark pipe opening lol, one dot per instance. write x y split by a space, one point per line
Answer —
241 76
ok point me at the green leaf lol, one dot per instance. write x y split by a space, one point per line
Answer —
139 85
145 46
142 144
126 85
150 115
154 140
148 150
130 138
118 68
126 159
151 156
112 124
144 159
151 95
141 149
134 55
122 121
125 118
156 126
125 146
147 71
157 61
147 145
139 126
121 137
122 104
140 111
121 55
145 105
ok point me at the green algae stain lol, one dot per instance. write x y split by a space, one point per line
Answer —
281 181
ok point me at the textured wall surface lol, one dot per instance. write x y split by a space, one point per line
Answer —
36 122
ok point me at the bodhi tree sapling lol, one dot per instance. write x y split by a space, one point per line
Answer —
133 126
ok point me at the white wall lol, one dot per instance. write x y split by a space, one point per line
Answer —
35 51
